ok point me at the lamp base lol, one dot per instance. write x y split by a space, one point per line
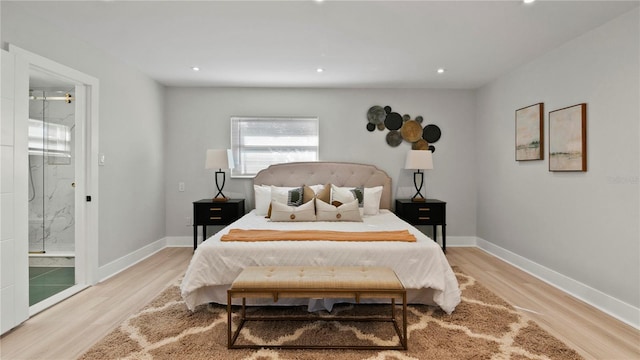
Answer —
220 196
418 196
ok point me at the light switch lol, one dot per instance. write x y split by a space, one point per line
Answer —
101 159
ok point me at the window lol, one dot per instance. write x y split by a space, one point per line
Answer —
49 139
257 142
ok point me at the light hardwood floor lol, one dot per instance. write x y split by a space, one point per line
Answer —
68 329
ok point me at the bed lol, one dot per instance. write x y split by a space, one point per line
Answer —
420 264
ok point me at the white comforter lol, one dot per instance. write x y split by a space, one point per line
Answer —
421 266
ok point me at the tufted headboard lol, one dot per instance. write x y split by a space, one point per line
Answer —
337 173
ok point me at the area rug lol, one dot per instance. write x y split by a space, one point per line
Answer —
483 326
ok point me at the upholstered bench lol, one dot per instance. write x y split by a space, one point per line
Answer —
340 282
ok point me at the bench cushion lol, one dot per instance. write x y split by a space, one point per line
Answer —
317 277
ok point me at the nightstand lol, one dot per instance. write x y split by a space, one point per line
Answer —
208 212
430 212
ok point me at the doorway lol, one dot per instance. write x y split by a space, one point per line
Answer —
56 110
51 132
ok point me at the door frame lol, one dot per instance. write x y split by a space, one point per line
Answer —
86 213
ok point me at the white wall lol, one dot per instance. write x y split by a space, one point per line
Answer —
131 186
198 119
584 226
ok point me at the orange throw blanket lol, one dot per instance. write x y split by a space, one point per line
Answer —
311 235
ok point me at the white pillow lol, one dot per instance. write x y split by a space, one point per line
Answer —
342 194
262 196
284 212
371 198
345 212
281 193
316 188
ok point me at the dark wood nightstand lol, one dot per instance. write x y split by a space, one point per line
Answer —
208 212
430 212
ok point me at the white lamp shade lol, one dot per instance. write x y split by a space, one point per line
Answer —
219 159
419 160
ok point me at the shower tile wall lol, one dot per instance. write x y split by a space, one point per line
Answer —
58 193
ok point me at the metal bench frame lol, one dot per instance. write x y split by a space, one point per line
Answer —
357 294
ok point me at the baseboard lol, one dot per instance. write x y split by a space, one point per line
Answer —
180 241
605 303
123 263
462 241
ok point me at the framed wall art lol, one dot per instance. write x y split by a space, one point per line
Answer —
568 138
529 133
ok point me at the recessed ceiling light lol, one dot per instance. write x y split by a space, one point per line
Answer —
319 70
195 68
441 71
528 1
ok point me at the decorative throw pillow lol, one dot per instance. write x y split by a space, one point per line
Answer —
324 194
307 194
368 198
291 196
345 212
284 212
342 194
295 196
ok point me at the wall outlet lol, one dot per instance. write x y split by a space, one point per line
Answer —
187 220
181 186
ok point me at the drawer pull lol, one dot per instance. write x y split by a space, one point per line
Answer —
424 209
215 218
215 209
423 218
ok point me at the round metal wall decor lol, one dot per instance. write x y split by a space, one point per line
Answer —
394 138
393 121
403 128
431 133
421 144
411 131
376 115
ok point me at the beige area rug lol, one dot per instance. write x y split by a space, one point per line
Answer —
483 326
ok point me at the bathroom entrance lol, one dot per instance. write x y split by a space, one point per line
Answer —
51 188
55 184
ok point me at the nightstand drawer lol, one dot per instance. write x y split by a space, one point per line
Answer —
217 213
431 212
425 214
212 214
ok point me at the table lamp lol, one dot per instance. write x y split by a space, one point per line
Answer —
419 160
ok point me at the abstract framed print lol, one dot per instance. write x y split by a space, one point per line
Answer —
529 133
568 138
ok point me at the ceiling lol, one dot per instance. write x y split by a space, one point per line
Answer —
372 44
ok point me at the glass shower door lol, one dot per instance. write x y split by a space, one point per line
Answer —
51 193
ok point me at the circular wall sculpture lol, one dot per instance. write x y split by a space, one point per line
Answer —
403 128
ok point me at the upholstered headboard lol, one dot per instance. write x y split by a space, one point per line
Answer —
337 173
